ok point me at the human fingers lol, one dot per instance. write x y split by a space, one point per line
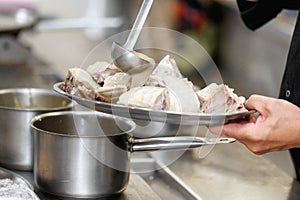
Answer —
256 102
238 131
262 104
217 130
245 134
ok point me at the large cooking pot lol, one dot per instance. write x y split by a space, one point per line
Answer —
17 107
87 154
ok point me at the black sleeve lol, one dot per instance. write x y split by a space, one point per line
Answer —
256 14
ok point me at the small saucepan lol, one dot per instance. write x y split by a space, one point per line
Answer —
87 154
17 107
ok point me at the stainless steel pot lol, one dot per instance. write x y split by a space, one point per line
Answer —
147 129
87 154
17 107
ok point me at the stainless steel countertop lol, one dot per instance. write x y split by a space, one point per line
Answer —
228 172
232 172
137 189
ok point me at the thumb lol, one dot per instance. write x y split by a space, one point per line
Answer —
258 103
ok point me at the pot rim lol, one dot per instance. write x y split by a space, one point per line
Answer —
50 114
38 91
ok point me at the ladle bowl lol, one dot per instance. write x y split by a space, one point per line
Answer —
124 56
130 62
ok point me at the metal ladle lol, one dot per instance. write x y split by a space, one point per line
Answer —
124 57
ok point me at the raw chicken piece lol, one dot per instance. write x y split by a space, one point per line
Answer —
166 89
167 75
220 99
101 70
166 67
156 98
184 93
110 94
114 86
118 79
80 83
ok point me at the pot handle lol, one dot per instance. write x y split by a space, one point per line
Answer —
169 143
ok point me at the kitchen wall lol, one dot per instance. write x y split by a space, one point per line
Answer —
65 48
254 60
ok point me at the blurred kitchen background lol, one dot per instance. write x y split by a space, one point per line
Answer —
67 30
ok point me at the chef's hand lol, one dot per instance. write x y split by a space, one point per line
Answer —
276 128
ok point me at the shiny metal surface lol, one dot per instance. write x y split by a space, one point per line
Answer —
86 154
228 172
137 188
17 107
74 157
231 172
154 115
171 143
162 180
14 21
124 57
146 129
128 61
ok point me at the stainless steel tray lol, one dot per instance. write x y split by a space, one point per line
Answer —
154 115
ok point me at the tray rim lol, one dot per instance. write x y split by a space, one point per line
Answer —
186 118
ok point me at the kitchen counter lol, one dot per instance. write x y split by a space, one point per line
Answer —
227 172
137 189
232 172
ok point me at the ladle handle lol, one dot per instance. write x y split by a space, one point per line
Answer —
138 24
169 143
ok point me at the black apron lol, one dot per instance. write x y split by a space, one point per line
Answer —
255 15
290 86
